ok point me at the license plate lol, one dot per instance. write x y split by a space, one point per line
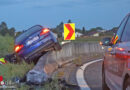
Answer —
46 39
32 40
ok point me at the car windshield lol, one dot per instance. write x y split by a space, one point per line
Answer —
106 39
28 33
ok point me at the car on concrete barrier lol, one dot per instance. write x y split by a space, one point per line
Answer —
34 42
116 63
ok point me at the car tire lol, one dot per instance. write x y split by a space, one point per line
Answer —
104 85
11 58
127 84
57 47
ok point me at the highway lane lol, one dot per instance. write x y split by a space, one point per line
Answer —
93 76
89 76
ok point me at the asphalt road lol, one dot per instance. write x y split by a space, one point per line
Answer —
93 76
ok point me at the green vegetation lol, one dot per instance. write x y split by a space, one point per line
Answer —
6 45
6 39
90 39
59 29
9 71
87 39
4 30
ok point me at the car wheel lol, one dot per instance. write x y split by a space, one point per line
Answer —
57 47
127 84
104 85
11 58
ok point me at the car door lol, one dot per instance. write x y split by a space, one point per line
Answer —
122 51
111 58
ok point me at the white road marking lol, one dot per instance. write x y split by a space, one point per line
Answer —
80 75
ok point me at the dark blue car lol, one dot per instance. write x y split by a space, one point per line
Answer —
35 41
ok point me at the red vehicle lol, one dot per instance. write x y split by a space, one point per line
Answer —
116 64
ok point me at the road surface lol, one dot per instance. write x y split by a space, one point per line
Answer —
82 75
93 76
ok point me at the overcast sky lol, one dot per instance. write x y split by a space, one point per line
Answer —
23 14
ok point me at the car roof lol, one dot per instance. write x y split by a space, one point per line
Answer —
35 26
17 40
128 14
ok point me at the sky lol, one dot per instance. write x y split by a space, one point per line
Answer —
22 14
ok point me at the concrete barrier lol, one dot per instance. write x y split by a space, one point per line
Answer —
49 62
74 50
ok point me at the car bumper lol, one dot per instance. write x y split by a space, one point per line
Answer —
49 44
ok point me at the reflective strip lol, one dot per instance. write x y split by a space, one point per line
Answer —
116 38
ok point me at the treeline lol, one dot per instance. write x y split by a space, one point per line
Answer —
4 30
59 29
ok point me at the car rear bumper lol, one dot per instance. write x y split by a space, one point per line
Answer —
49 44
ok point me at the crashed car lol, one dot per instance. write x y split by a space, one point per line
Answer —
34 42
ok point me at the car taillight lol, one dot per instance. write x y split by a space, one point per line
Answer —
44 31
18 48
120 49
100 43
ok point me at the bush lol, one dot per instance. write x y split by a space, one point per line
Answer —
6 45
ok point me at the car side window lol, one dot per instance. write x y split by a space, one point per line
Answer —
126 33
117 37
121 28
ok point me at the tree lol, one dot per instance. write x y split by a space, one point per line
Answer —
3 25
12 32
5 31
69 21
18 33
99 28
59 29
83 30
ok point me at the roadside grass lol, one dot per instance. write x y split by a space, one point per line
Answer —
86 39
6 45
78 61
89 39
53 85
9 71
